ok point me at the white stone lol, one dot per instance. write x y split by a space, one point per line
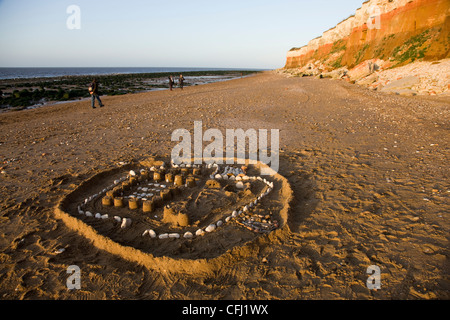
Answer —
152 233
174 235
245 209
126 222
163 236
210 228
199 232
227 218
188 235
232 178
238 178
218 177
132 173
88 214
239 185
117 218
105 216
145 233
245 178
219 223
225 177
234 214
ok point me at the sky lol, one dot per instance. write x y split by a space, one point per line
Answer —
138 33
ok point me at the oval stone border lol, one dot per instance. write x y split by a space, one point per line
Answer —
167 264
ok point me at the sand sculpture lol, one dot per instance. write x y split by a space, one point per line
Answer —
153 206
141 192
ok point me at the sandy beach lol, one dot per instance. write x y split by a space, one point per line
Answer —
368 170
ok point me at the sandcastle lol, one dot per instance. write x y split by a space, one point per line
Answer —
166 210
142 191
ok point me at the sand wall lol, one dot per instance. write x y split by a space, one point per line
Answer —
167 264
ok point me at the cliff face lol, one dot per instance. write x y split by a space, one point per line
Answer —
403 31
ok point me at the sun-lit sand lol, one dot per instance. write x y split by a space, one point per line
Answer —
368 172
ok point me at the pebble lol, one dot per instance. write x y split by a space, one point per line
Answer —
210 228
163 236
219 223
239 185
199 232
126 222
88 214
98 215
152 233
174 235
117 218
188 235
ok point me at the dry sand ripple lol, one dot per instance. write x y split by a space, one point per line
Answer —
369 173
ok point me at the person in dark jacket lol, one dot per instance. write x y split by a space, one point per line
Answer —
171 82
181 81
93 90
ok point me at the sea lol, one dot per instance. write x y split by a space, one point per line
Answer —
26 73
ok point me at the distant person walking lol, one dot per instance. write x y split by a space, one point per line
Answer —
93 90
171 82
181 81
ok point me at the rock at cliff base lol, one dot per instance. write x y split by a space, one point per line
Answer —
405 83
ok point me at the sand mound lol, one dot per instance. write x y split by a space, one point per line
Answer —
201 226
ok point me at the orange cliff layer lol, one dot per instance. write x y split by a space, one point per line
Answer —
407 31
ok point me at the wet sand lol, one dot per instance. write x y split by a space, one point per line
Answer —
368 170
